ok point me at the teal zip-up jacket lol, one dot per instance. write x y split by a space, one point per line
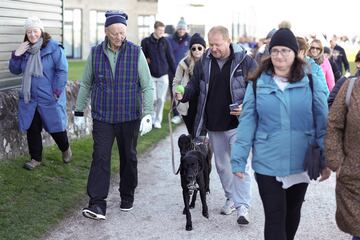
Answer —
280 127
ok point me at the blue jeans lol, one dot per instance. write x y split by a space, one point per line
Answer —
356 238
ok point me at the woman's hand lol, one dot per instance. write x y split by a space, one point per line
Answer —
338 172
325 174
22 48
178 96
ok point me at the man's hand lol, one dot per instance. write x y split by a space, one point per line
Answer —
236 111
239 174
145 125
347 74
79 120
22 48
79 123
338 172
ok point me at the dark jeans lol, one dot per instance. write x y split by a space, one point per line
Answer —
356 238
189 119
104 134
282 207
34 138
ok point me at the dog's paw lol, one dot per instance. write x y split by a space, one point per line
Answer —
189 227
192 205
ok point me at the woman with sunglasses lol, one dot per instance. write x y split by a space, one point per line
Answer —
182 76
311 66
316 52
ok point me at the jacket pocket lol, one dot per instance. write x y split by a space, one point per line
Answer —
262 136
311 136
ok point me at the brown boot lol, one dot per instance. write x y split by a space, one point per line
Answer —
66 156
31 164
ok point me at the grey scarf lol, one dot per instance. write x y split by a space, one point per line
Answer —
33 67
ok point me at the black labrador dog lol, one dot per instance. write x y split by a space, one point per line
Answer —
195 168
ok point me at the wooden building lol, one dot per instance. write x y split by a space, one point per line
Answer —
12 17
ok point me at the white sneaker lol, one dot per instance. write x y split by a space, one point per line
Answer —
228 207
157 125
243 215
176 120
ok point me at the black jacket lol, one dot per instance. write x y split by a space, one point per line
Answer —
159 55
337 87
339 57
335 90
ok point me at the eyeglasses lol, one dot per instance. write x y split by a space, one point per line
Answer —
196 48
283 52
315 48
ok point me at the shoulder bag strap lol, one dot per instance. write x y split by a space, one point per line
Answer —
348 91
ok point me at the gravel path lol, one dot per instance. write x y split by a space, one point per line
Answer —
157 212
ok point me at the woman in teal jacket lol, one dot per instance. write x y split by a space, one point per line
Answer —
42 98
277 124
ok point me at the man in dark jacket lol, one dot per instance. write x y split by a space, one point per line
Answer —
219 81
339 56
161 60
334 67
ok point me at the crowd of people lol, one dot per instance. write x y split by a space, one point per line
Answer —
247 104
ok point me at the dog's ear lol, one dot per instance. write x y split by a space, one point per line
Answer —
181 140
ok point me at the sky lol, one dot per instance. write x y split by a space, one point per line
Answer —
306 16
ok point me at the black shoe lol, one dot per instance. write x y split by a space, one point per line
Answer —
94 212
126 206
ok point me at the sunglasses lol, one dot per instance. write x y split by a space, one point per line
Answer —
315 48
196 48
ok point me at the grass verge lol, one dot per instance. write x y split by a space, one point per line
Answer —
76 69
32 202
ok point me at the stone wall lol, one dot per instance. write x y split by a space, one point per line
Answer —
13 142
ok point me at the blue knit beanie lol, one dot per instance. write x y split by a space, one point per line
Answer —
115 17
181 24
271 33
